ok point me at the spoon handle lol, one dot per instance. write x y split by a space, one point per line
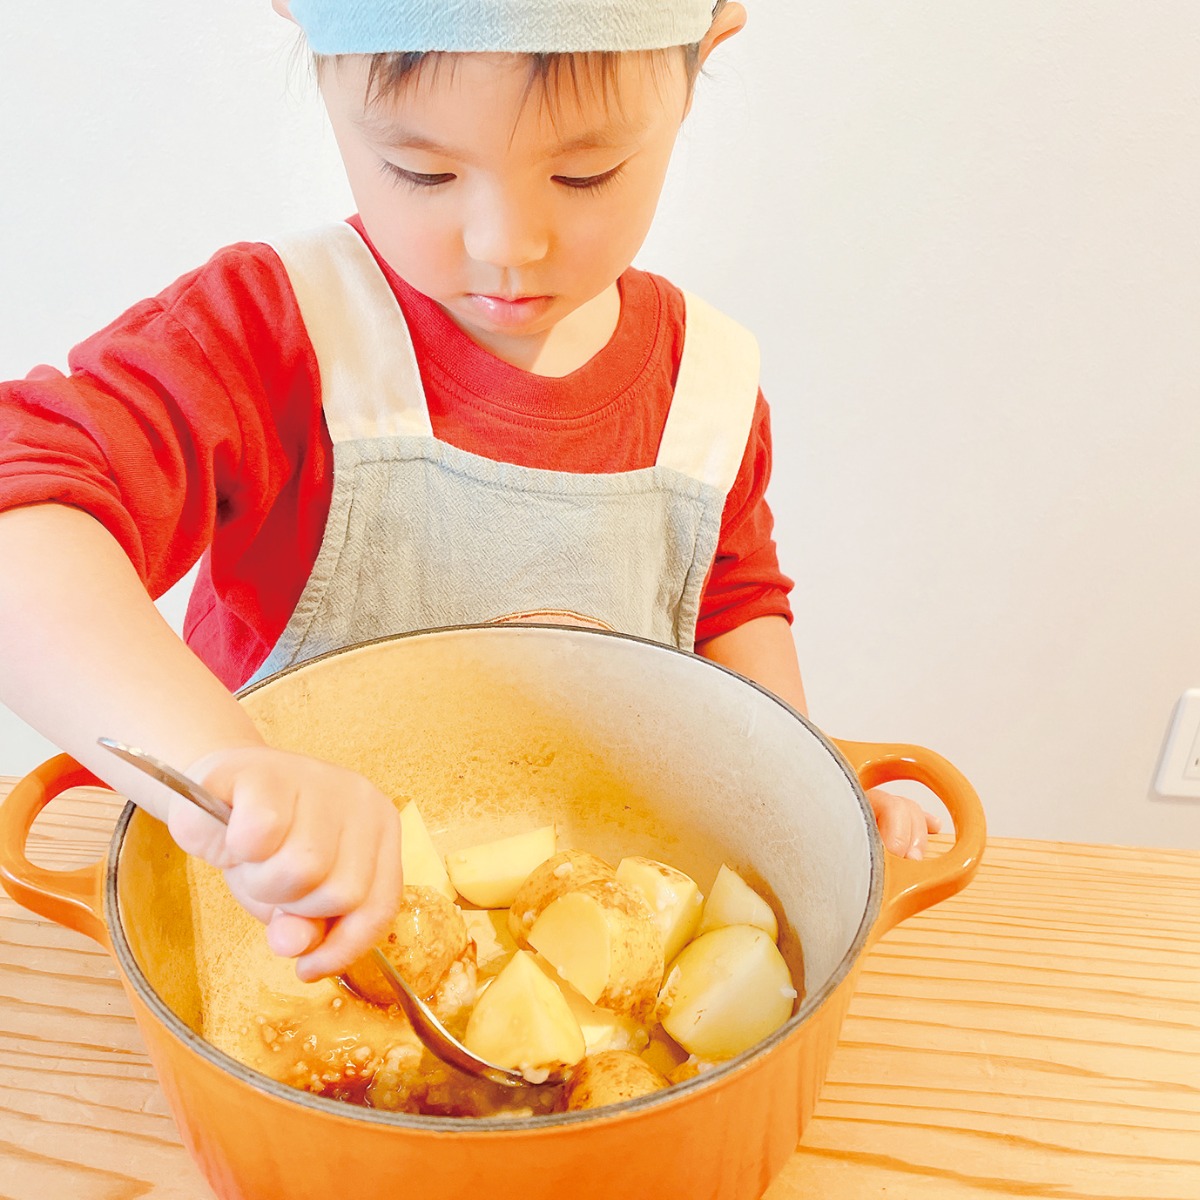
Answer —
175 780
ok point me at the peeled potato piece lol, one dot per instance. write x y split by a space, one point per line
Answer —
562 873
733 901
427 936
610 1078
421 863
522 1020
602 1028
674 899
494 946
491 874
601 940
728 990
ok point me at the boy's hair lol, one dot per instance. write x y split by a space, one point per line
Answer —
597 70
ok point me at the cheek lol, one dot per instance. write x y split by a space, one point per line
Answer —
614 232
624 218
418 250
414 234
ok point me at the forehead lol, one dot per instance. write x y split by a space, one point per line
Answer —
510 100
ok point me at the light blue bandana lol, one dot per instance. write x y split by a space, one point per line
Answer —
517 26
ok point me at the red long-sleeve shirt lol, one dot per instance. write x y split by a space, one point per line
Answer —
192 428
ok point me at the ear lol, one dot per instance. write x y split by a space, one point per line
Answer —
284 9
730 20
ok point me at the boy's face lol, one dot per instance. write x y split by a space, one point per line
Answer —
509 208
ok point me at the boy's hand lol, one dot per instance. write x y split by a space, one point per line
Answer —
903 824
311 849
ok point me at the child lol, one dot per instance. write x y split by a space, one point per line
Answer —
461 405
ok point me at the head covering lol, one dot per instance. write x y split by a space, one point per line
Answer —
518 26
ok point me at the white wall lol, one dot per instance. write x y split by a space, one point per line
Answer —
966 236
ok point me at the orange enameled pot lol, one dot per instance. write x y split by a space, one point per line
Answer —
630 748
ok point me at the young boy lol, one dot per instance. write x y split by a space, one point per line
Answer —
461 406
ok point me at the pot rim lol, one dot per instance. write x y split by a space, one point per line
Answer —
460 1126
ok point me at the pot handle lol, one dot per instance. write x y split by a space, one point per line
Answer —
909 885
71 898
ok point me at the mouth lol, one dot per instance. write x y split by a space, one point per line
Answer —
509 310
502 298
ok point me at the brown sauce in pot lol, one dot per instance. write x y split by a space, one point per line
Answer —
344 1049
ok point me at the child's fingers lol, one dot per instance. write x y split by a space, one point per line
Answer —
262 794
261 822
196 833
894 819
370 821
311 849
350 937
920 838
290 936
904 825
299 867
345 886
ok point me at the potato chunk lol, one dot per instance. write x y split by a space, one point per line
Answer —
419 859
601 939
610 1078
728 990
602 1028
562 873
494 946
491 874
733 901
522 1020
674 899
427 936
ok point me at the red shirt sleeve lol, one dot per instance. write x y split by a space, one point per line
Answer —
745 580
140 435
164 427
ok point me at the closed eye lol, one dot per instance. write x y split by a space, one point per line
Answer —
590 183
415 179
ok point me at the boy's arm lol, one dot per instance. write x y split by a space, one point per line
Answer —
763 649
86 653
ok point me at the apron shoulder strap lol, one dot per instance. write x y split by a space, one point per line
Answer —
715 395
370 382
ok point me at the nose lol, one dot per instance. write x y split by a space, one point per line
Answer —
506 230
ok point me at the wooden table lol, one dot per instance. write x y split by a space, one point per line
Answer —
1036 1036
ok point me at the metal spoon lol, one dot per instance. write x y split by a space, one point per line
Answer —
425 1024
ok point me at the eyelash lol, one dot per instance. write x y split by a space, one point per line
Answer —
593 183
421 182
414 179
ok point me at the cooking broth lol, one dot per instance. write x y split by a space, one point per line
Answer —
345 1049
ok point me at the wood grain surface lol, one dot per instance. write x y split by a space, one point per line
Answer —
1036 1036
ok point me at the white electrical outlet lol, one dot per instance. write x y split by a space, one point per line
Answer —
1178 773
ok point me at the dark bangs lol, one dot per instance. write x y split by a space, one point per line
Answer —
594 73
